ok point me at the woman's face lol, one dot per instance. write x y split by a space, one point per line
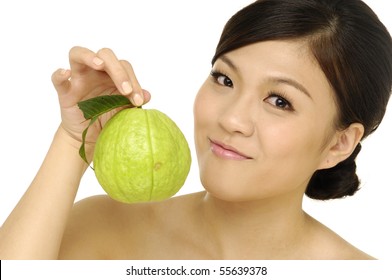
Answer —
262 121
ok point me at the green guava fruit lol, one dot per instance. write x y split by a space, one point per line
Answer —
141 155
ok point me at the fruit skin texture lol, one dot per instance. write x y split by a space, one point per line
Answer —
141 155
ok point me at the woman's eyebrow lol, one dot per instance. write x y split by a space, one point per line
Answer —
290 82
229 63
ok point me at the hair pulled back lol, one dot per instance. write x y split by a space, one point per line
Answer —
352 47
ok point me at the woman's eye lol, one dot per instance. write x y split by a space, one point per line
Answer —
222 79
279 101
225 81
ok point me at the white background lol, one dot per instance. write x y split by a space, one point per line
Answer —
170 44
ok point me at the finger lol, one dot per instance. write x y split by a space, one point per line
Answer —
122 74
146 96
137 94
115 70
81 59
60 80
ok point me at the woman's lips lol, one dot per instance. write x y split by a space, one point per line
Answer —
226 151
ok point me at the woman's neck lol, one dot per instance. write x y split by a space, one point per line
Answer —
270 228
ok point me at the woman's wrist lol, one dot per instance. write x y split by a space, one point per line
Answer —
74 143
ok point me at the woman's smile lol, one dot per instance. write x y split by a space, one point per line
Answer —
227 152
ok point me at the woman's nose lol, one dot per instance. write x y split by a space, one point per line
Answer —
238 117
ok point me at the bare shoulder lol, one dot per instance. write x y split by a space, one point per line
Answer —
101 228
327 244
85 231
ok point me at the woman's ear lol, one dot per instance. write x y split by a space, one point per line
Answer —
342 145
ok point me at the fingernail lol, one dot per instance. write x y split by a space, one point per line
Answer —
97 61
63 71
127 88
137 99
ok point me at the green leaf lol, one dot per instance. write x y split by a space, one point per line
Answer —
93 108
96 106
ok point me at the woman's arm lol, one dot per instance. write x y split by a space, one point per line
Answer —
35 227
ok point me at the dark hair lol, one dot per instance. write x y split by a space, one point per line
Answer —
352 47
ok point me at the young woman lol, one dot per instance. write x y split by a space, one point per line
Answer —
295 86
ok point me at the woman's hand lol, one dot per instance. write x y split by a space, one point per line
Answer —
93 74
